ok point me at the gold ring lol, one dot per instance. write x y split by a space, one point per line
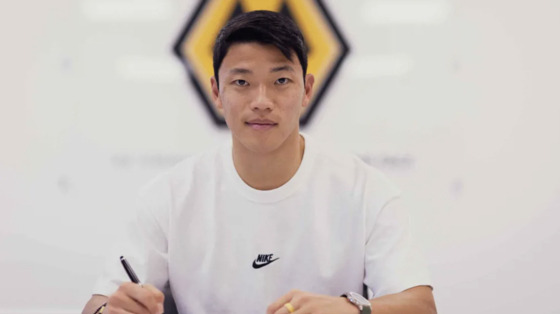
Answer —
290 307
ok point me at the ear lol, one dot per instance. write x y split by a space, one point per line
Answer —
309 81
216 94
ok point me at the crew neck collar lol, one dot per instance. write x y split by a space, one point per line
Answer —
277 194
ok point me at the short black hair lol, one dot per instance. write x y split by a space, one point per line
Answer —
265 27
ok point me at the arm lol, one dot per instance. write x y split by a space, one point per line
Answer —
144 240
417 300
129 298
94 303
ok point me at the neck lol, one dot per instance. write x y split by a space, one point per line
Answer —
270 170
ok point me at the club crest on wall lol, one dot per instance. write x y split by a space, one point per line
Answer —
327 48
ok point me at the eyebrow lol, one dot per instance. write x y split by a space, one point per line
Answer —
240 71
273 70
282 68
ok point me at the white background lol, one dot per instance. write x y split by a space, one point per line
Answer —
456 100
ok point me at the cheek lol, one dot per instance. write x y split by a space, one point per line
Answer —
226 110
294 103
231 99
230 111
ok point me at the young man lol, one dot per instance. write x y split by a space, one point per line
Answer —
272 222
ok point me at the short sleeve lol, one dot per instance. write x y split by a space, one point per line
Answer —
143 242
393 262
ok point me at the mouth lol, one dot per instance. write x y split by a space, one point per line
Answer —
258 124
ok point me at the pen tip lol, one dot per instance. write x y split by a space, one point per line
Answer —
122 257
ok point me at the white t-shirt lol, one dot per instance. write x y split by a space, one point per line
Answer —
225 247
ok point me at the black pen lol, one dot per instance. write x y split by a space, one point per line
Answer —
131 274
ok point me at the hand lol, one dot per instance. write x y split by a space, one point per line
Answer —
135 298
309 303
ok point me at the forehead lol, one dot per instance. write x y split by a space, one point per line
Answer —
256 56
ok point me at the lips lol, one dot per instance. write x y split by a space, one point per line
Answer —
261 124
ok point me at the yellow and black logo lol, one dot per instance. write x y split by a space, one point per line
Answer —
326 46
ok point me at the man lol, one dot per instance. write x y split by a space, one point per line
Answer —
272 222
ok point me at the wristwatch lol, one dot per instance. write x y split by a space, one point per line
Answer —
359 301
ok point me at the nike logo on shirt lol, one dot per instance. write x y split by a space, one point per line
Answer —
263 260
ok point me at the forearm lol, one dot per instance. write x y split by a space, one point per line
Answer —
94 303
417 300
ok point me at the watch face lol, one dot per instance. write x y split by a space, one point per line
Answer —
357 298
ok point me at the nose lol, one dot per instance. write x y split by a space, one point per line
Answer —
262 100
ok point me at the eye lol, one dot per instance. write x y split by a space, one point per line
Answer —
241 82
282 81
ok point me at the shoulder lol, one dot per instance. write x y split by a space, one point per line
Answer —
345 164
158 198
185 175
352 176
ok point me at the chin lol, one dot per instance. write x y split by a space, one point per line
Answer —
264 147
263 143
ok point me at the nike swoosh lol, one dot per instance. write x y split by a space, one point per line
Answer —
257 266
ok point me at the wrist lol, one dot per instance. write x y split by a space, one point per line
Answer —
349 308
360 303
101 309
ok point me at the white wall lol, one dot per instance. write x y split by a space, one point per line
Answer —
456 100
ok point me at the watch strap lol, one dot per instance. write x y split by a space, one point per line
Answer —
363 310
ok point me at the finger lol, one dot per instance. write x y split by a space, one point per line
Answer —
158 295
121 302
109 310
144 296
149 296
118 311
291 306
283 310
278 304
